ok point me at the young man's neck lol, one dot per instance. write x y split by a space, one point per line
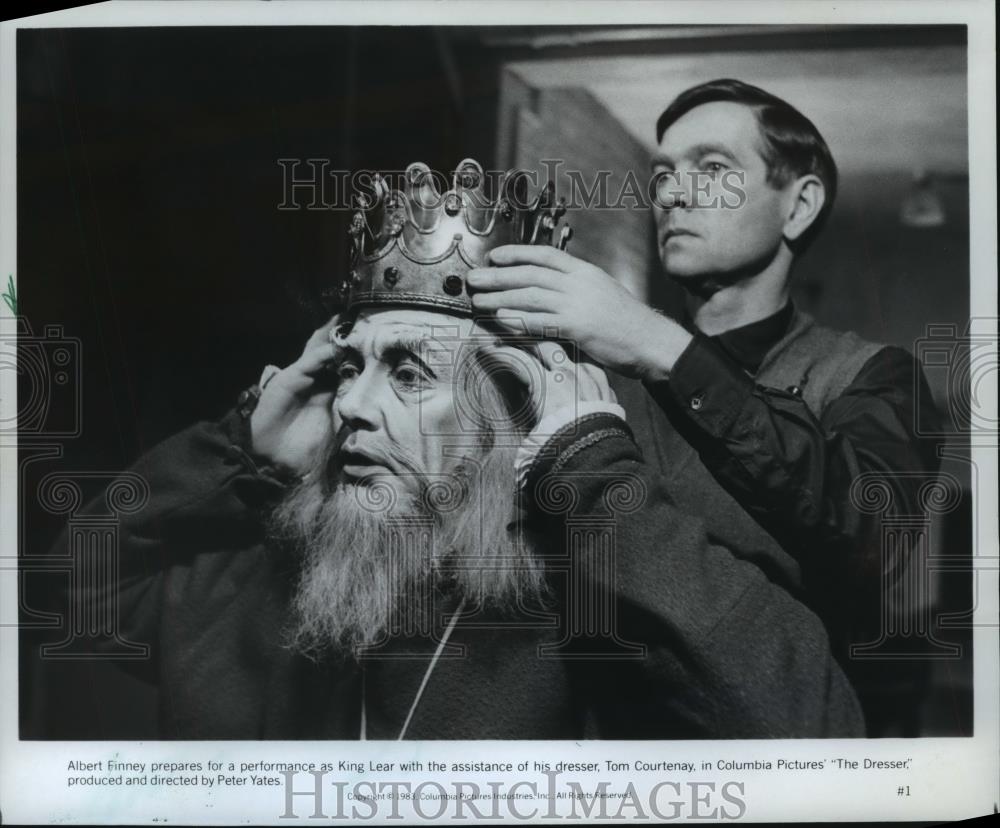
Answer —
743 302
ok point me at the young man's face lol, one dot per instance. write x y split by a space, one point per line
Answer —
710 236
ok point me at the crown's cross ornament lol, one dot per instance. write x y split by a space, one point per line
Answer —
427 241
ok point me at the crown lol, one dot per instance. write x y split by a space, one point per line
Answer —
426 240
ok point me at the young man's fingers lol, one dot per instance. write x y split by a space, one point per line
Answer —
516 276
536 254
529 298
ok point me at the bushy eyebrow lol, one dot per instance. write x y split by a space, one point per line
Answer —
694 152
406 341
394 351
392 346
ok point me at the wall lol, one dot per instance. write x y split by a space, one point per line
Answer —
572 126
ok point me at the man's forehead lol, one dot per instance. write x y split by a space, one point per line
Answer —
376 331
725 123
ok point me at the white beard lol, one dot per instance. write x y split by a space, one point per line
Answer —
352 592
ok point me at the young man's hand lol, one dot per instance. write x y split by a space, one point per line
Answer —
293 418
556 294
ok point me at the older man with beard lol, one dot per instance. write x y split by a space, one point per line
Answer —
421 452
390 545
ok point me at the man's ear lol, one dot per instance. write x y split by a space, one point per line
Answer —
808 195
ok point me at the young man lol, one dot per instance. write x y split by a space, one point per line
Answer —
763 420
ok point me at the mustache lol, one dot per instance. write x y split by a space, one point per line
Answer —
394 456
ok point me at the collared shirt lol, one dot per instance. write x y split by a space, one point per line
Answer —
749 344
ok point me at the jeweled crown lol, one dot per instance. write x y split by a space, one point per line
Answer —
426 241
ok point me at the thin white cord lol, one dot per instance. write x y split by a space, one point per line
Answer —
423 684
430 668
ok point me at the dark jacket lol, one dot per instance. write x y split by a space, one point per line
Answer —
774 452
651 631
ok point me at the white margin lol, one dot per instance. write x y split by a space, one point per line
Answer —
963 781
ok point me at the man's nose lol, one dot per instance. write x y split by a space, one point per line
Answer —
357 404
674 191
681 200
678 192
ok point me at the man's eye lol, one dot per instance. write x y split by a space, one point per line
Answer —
409 376
714 167
347 371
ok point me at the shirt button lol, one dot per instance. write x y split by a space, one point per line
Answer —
696 403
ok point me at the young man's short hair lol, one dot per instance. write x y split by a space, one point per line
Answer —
792 146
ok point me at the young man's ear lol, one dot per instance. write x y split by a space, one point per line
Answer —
808 196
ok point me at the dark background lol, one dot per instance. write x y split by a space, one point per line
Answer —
148 229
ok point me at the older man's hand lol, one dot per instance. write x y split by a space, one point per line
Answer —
555 383
293 418
556 294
